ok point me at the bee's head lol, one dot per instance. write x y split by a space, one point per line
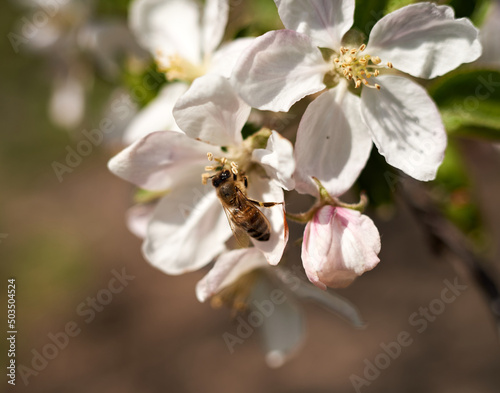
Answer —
221 177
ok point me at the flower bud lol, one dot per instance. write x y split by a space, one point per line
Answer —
339 245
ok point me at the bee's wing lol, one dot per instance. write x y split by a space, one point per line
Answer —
240 234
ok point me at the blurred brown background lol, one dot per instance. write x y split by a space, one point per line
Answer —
65 239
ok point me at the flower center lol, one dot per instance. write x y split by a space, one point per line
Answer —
235 296
356 67
176 67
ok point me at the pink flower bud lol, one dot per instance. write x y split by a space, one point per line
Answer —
339 245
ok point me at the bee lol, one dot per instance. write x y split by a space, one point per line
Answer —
243 215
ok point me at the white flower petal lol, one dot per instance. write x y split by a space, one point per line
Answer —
188 230
214 23
424 40
277 159
330 301
67 103
212 112
138 218
278 69
325 21
224 59
227 269
170 26
157 115
161 160
333 143
266 190
406 126
282 326
490 31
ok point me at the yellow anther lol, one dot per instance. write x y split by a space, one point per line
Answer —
377 86
210 156
234 167
358 68
204 178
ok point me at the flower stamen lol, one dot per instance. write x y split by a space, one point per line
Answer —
233 166
357 67
176 67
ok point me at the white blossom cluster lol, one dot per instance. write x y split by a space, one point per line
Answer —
359 92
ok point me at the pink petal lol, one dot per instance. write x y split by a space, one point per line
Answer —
339 245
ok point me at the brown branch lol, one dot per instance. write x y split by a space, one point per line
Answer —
443 236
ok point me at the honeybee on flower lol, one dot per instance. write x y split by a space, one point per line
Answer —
182 235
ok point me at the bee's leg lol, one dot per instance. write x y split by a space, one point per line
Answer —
264 204
245 180
205 177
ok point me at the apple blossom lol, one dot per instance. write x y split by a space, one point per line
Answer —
313 53
339 245
187 45
187 227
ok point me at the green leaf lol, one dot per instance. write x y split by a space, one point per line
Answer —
144 84
145 196
452 187
469 101
480 12
367 14
393 5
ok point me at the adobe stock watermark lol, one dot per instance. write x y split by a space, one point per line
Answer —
87 309
3 236
260 311
31 26
419 320
484 89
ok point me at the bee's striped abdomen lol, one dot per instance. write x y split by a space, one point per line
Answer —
255 223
